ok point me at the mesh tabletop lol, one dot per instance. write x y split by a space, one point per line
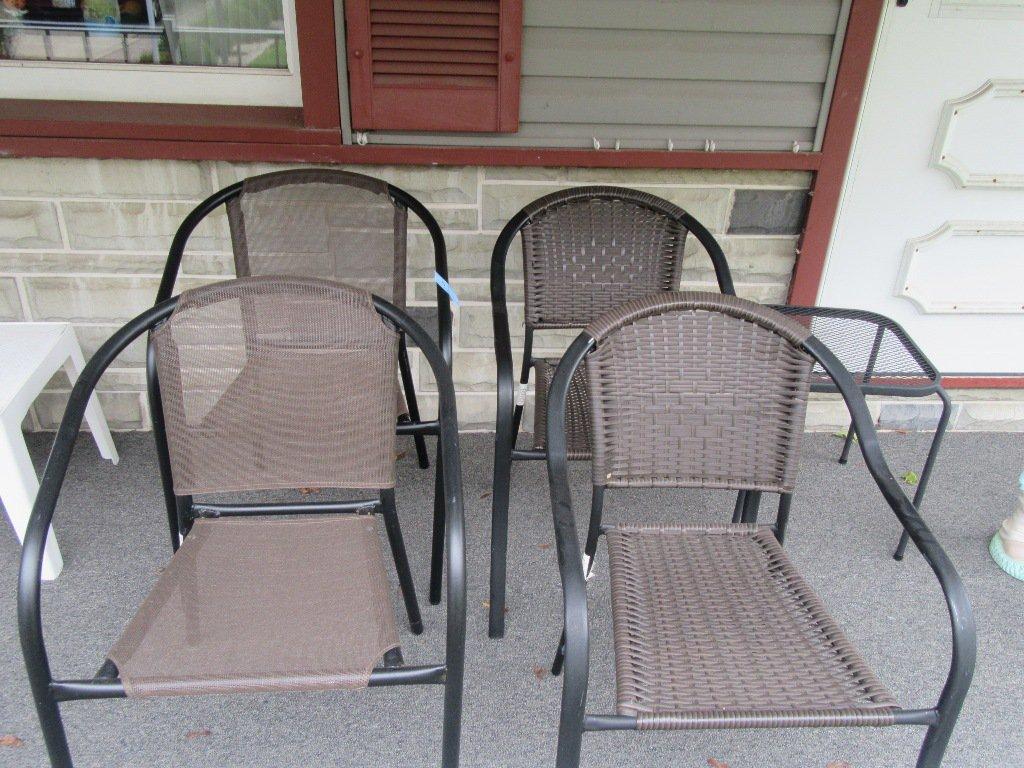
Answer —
262 605
880 355
577 412
714 628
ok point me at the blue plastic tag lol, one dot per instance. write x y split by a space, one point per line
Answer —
445 286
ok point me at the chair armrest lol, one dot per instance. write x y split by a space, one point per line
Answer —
184 232
570 560
714 249
455 532
30 574
499 316
444 309
964 635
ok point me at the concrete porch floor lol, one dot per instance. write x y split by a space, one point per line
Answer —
112 531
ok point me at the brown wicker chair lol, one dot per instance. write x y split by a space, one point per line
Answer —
713 625
585 250
337 225
265 383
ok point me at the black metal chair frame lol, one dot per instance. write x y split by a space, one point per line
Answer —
574 652
510 412
885 387
411 425
49 693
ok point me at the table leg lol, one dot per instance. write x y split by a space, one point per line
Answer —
93 413
929 463
18 487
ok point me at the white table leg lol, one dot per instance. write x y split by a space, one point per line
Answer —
93 413
18 488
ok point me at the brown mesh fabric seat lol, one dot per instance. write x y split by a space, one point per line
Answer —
276 383
338 225
263 383
714 628
262 605
321 223
577 414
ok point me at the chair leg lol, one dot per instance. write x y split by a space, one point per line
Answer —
594 527
410 401
559 662
741 502
589 550
391 524
751 504
53 730
844 455
934 746
926 471
437 543
570 726
451 734
499 529
782 517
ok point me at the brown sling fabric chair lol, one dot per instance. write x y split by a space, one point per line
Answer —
713 626
266 383
336 225
585 250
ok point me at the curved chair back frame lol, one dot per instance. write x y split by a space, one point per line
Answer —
398 196
940 719
48 692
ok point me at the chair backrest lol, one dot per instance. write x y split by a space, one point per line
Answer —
692 389
277 382
321 222
588 249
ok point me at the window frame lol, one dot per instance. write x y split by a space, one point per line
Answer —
316 120
177 84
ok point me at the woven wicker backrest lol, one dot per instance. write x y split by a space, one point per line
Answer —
275 382
587 250
697 390
321 223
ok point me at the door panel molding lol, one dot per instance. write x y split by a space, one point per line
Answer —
971 126
977 9
943 273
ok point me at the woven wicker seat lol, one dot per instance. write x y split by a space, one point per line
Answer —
694 607
262 605
577 430
713 625
585 251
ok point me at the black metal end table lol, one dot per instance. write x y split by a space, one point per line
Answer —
884 360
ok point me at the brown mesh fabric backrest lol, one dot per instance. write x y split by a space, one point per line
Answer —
321 223
697 390
274 382
589 249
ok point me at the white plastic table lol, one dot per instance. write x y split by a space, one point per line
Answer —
30 354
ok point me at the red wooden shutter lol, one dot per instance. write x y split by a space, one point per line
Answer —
434 65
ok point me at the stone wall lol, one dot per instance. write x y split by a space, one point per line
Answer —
85 240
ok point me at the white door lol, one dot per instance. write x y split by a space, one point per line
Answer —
930 228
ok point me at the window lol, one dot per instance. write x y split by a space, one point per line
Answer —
180 51
434 65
